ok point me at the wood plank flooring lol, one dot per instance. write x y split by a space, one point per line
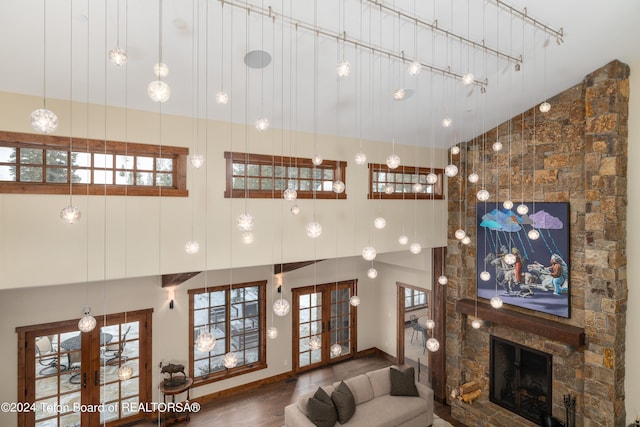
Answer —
264 406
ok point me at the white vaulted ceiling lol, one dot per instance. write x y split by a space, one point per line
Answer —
204 44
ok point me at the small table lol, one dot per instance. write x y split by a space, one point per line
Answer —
75 342
171 417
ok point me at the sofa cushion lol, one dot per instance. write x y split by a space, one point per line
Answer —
388 411
303 401
344 402
322 411
403 383
360 386
380 381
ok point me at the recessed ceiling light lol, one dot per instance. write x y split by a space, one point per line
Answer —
257 59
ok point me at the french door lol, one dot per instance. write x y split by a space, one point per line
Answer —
70 379
323 312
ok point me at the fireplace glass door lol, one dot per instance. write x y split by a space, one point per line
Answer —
520 379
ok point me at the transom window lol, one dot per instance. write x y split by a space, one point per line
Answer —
404 182
48 164
236 318
262 176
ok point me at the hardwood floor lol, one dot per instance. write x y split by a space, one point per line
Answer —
264 406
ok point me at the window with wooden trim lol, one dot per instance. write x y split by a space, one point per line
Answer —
404 182
236 317
414 298
267 177
45 164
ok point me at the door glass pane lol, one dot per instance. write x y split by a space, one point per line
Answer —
341 319
309 324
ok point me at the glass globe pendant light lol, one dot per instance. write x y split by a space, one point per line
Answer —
272 332
403 239
483 195
336 350
360 158
314 229
354 300
70 214
192 247
455 150
432 178
159 91
443 280
262 124
415 248
414 68
467 79
205 342
466 240
522 209
245 221
247 237
446 122
197 160
338 187
117 56
281 307
485 276
290 194
125 372
380 223
315 343
87 323
43 120
476 323
222 97
451 170
433 345
343 68
460 234
417 187
388 188
496 302
508 204
393 161
473 178
497 146
161 70
533 234
372 273
545 107
369 253
430 324
295 210
398 94
317 160
230 360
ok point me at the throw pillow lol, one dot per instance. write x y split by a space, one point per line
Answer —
344 401
322 412
403 383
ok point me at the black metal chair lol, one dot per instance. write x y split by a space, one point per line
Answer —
47 356
112 353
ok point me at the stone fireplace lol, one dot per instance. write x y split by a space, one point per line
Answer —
575 153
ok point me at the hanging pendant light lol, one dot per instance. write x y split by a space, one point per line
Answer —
197 160
430 324
272 332
222 97
414 68
460 234
446 122
369 253
497 146
496 302
380 223
417 187
205 342
87 323
354 300
338 187
466 240
281 307
245 222
522 209
360 158
262 124
455 150
372 273
399 94
315 343
117 56
432 178
533 234
483 195
443 280
230 360
70 215
343 68
393 161
433 345
415 248
545 107
507 204
468 79
295 210
192 247
476 323
451 170
336 350
314 229
125 372
290 194
485 276
159 91
403 239
247 237
473 177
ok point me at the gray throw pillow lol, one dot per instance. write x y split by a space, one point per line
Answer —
344 401
403 383
322 412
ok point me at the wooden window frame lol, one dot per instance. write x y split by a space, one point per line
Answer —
93 146
261 363
437 187
338 168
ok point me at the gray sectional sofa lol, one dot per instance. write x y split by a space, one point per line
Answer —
375 406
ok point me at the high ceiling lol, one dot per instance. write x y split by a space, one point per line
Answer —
300 88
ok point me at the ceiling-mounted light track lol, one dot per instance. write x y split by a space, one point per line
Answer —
437 29
559 34
271 14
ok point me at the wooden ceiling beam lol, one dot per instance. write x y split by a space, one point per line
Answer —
177 278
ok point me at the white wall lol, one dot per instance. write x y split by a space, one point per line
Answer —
632 339
145 236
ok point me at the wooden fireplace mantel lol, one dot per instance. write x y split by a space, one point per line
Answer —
561 332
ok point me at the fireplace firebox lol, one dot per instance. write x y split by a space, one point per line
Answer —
520 379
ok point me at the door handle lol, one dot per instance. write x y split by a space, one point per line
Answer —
84 380
95 377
